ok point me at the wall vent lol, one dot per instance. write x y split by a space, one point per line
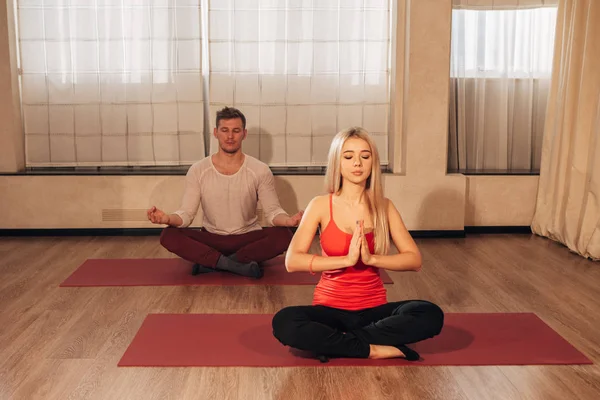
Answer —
123 214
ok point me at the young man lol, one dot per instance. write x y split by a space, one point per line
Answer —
228 184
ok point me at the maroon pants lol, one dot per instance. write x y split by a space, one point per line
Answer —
205 248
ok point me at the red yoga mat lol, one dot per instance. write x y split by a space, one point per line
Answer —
178 272
246 340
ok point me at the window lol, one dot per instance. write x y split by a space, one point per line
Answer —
503 43
111 82
138 82
500 69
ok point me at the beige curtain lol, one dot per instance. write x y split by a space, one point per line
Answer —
568 203
496 124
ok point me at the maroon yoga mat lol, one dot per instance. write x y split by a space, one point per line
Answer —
246 340
178 272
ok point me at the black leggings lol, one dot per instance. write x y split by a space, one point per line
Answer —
334 332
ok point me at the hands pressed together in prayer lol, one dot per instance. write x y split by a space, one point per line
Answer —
359 247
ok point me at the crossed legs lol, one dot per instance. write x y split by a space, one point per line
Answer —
341 333
234 253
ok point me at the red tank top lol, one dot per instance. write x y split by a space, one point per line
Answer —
353 288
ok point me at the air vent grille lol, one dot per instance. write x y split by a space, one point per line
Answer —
122 214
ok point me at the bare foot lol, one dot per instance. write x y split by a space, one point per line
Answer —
381 352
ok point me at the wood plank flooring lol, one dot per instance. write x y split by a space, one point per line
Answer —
64 343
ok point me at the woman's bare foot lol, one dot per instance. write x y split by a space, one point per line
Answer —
381 352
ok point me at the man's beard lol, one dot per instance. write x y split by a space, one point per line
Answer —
229 150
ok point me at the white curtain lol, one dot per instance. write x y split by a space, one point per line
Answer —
501 4
501 62
111 82
301 70
120 82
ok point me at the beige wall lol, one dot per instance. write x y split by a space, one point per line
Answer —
450 202
428 198
500 200
120 201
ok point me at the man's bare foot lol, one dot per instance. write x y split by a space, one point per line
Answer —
381 352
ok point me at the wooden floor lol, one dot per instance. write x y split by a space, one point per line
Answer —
64 343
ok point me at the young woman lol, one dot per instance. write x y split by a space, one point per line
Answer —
350 315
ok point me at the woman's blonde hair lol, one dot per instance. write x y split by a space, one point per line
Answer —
373 191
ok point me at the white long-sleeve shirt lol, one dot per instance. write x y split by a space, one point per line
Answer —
229 202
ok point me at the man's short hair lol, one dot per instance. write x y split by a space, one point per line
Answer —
230 113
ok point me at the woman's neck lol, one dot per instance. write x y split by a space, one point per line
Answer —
352 193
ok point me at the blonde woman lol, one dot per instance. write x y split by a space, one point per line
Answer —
350 315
